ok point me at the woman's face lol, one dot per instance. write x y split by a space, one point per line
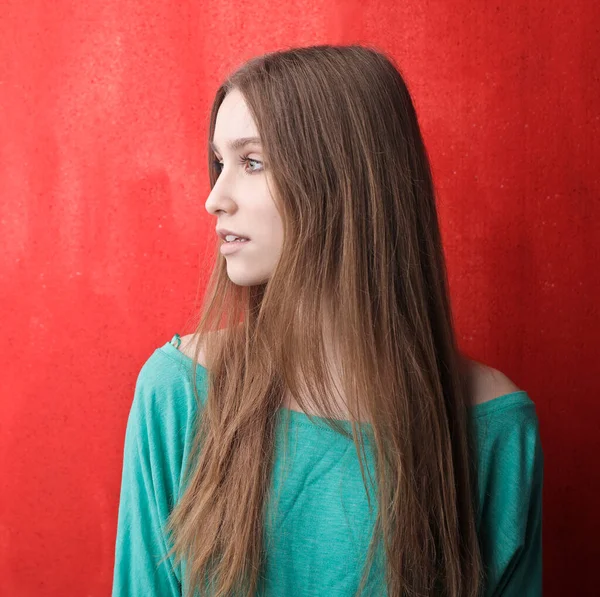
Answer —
240 199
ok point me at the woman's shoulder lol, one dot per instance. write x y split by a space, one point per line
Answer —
507 429
188 348
164 381
487 383
510 476
189 344
505 419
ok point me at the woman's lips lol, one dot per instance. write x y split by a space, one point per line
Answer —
231 247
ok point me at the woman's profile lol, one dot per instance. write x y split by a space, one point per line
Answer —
320 432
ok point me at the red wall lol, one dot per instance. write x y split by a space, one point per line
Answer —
104 108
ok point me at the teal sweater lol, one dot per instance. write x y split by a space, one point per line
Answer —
317 537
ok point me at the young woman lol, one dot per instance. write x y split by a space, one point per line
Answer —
320 433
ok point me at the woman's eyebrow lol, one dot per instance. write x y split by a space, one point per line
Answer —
237 144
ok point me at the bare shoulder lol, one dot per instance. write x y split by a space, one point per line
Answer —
487 383
188 347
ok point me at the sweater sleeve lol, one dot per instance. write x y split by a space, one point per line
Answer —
157 428
511 496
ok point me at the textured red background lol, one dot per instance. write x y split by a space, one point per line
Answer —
103 113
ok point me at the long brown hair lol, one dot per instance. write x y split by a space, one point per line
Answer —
352 182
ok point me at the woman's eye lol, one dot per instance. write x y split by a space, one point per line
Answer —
242 160
247 160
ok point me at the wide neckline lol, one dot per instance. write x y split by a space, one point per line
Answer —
476 410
